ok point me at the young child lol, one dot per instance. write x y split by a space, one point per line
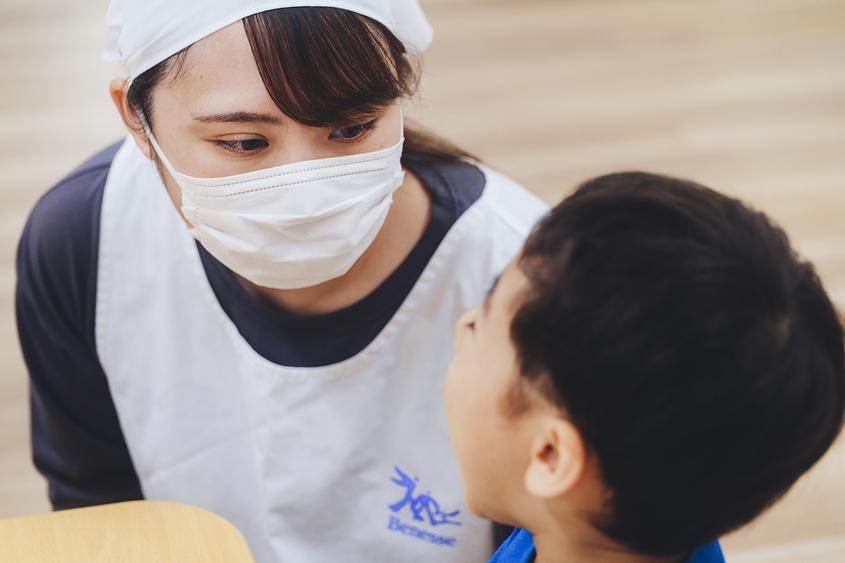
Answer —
654 370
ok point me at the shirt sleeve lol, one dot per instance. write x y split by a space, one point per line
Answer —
77 442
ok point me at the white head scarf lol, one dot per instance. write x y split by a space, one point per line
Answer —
143 33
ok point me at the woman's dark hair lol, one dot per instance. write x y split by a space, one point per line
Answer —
322 67
698 355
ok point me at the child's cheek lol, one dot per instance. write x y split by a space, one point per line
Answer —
452 398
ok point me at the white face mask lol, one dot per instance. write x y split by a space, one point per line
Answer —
295 225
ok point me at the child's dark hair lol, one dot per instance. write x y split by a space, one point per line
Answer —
698 355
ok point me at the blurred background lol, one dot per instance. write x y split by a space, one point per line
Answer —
747 97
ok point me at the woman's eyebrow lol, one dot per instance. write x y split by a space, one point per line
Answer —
239 117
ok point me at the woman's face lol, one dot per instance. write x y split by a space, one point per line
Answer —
216 118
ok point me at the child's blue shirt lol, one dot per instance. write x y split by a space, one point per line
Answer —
519 548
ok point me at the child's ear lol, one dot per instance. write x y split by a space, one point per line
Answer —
557 459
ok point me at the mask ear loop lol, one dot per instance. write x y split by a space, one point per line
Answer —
401 123
149 131
189 213
157 147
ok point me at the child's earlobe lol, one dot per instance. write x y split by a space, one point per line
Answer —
557 459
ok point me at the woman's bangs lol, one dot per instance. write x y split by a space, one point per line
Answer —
327 66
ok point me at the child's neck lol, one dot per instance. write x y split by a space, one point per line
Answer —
581 542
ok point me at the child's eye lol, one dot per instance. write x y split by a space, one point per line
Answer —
352 133
471 325
243 146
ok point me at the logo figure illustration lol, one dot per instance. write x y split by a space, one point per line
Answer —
423 504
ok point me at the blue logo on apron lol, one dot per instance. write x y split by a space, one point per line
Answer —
423 508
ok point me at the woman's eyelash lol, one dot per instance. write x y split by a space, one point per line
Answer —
352 133
243 145
347 134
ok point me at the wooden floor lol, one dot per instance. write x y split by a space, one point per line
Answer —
745 96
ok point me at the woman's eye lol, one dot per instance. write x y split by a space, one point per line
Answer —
471 325
244 145
351 133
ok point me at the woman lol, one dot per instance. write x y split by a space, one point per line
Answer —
274 349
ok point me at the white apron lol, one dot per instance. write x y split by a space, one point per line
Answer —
344 463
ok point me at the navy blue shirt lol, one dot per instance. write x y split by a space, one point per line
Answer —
519 548
77 441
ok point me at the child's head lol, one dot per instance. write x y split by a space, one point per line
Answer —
657 363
